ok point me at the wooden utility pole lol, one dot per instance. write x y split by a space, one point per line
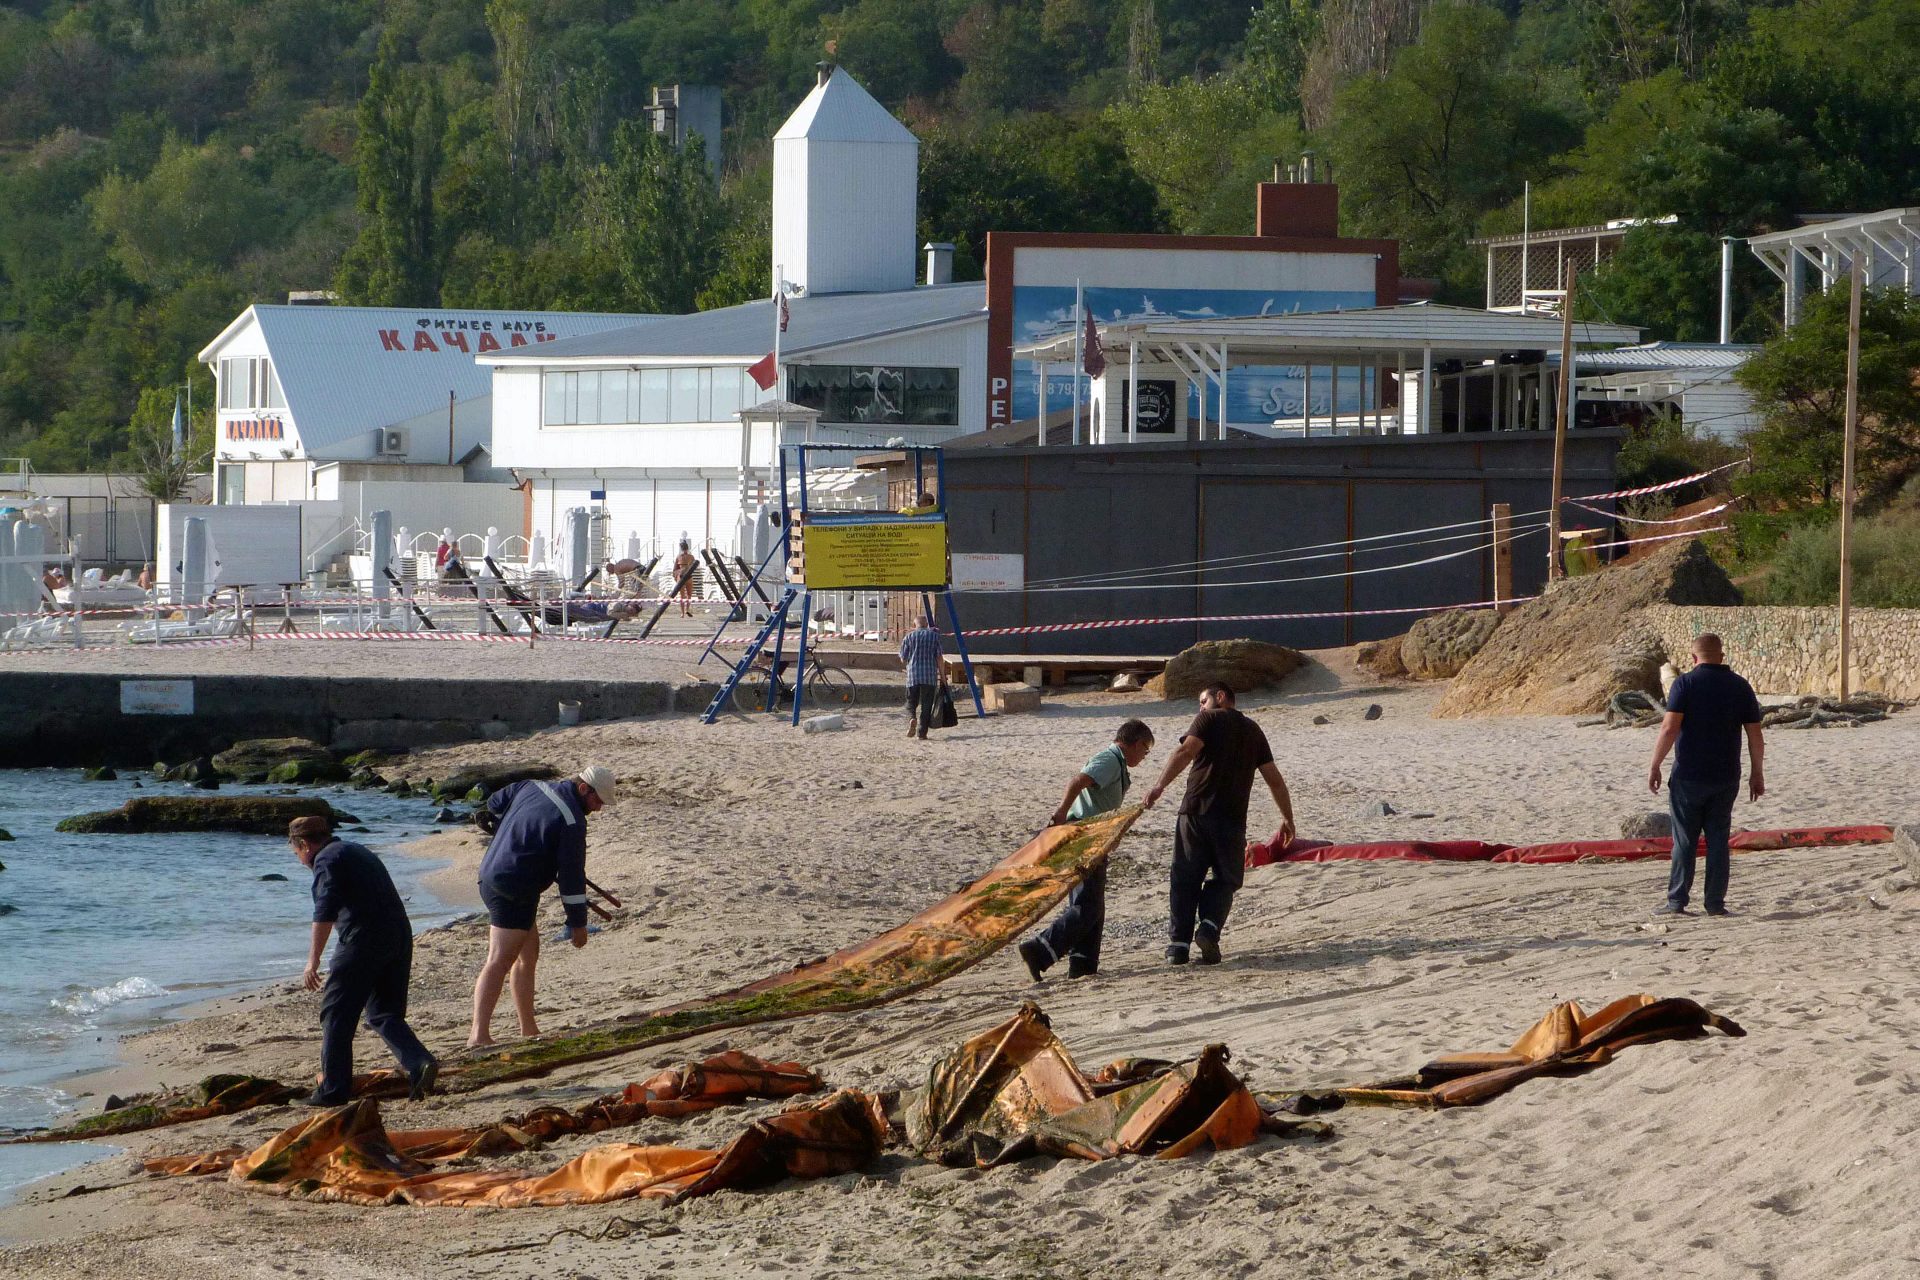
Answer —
1562 410
1846 478
1503 557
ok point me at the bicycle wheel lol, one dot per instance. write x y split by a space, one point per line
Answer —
750 694
830 689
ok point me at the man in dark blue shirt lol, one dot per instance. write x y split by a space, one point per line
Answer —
1707 709
372 961
539 839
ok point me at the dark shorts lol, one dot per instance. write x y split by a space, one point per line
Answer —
508 910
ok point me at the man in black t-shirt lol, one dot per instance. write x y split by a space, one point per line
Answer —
1707 710
1225 750
372 962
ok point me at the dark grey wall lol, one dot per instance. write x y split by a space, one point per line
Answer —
1073 511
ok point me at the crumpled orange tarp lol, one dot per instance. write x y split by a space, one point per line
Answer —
722 1080
1013 1091
346 1155
1567 1040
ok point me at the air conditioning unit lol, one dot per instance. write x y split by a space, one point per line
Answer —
391 442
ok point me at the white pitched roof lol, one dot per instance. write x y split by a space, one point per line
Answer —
841 111
350 370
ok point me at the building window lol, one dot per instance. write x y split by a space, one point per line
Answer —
646 397
249 382
887 394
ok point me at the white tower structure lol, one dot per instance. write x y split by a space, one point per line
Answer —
845 192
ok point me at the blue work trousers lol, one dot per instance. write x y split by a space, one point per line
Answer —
1700 808
377 986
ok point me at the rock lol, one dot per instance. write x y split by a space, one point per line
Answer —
101 773
1009 699
1239 664
139 785
219 1046
1374 711
191 771
1375 809
371 759
1906 843
823 724
208 783
279 760
495 730
1582 641
1321 720
8 909
1438 645
449 815
1383 657
274 875
3 866
1125 682
854 785
252 815
160 769
1651 825
487 778
5 835
114 1102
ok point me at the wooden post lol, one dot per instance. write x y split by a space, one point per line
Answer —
1503 557
1562 410
1846 479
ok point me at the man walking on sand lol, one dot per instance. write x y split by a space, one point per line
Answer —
920 655
1096 789
539 838
1210 838
372 962
1707 710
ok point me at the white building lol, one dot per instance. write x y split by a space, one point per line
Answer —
1695 381
642 423
1885 244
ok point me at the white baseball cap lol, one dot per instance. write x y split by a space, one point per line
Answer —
599 779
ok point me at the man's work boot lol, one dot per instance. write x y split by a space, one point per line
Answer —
1035 957
921 733
1177 953
1080 967
1206 949
912 727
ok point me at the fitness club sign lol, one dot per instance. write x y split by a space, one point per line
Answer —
466 335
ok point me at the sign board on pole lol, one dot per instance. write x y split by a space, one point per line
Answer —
989 571
897 555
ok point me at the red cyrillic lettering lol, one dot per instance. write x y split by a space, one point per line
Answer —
390 340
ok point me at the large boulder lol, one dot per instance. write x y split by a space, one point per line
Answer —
279 760
1438 645
485 779
1383 657
249 815
1239 664
1568 652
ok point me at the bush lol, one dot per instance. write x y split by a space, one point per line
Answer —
1886 564
1662 448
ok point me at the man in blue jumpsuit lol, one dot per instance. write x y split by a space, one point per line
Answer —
372 962
1096 789
539 839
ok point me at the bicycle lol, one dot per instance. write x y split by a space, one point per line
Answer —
828 688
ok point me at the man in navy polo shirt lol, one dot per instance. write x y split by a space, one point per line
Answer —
1707 710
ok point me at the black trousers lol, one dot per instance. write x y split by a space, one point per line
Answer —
1075 932
1209 866
377 986
923 700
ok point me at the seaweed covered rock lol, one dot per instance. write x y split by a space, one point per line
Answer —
1239 664
250 815
279 760
487 778
1440 644
1567 652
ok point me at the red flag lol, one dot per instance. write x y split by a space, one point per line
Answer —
1094 360
783 313
763 372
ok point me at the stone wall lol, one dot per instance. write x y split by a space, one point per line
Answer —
1794 650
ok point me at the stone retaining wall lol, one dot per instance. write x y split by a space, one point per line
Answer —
1793 650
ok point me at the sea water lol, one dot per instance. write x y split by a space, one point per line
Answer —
106 935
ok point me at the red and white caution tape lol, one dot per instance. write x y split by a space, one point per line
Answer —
1615 515
1658 537
1051 627
1661 488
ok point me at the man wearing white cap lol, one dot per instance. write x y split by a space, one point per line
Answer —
539 839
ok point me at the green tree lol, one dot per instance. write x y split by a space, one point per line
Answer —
397 258
1204 144
1798 382
649 226
199 208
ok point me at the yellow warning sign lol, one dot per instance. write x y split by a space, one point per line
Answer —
882 555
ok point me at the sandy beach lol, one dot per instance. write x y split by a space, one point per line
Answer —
744 848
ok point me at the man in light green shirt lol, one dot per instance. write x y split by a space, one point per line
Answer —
1096 789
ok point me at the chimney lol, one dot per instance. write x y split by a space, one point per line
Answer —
822 71
939 263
